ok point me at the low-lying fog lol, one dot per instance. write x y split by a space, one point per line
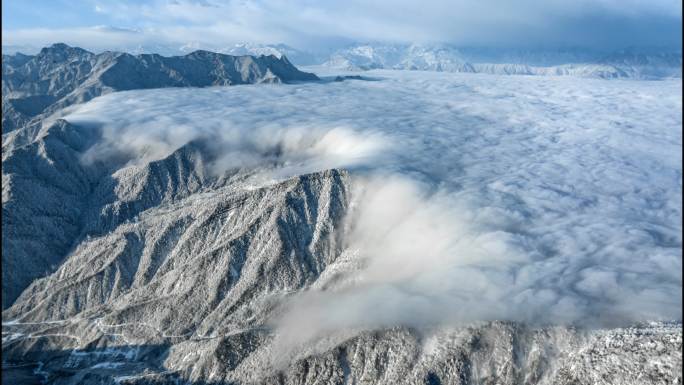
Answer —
479 197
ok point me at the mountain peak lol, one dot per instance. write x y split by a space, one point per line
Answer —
82 75
62 50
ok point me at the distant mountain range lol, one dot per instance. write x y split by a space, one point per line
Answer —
629 63
61 75
652 63
296 56
623 64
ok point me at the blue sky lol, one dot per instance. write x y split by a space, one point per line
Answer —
49 14
99 25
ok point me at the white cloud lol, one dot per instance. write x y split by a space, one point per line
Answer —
132 136
309 24
480 197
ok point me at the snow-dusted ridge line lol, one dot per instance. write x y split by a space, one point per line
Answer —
37 86
621 64
633 63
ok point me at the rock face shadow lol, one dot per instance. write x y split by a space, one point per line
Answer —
96 365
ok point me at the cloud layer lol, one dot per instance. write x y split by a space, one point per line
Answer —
315 24
477 197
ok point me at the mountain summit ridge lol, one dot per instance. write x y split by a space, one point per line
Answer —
60 75
629 64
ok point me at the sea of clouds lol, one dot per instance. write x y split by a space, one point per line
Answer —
477 197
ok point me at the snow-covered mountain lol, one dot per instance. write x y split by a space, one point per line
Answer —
167 236
405 57
651 63
61 75
622 64
294 55
364 57
35 87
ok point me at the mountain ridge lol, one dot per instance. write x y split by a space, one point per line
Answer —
58 76
627 63
447 58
